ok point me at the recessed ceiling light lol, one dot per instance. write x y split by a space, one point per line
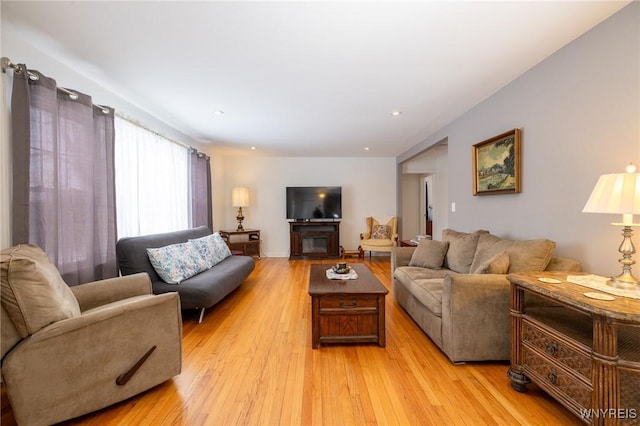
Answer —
218 112
253 148
396 113
366 148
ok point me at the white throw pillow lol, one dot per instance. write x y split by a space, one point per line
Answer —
212 248
177 262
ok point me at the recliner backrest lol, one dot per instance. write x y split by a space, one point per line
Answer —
34 294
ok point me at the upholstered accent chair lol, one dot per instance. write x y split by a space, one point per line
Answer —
379 236
67 351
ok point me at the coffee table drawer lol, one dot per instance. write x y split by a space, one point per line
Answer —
348 302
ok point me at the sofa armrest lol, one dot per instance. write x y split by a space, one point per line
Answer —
106 313
476 324
98 293
83 357
365 235
400 256
564 264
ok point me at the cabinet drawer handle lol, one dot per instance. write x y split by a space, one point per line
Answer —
354 303
552 377
551 349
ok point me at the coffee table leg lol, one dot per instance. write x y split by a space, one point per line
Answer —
382 338
315 322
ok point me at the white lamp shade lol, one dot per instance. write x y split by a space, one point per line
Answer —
240 197
615 193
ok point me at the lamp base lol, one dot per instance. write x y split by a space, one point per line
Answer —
624 282
240 218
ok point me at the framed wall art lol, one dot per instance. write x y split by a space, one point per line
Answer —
496 164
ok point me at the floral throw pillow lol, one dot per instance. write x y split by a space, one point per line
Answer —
381 232
177 262
212 248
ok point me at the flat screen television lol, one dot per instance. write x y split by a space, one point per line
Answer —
314 202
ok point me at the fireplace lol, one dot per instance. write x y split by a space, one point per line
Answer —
313 244
314 240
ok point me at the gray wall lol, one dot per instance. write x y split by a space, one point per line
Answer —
579 114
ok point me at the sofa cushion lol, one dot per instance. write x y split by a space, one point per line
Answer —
212 248
429 254
177 262
498 264
377 242
211 286
429 293
462 249
405 274
33 292
524 255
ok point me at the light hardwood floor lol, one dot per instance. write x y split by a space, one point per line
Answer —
250 362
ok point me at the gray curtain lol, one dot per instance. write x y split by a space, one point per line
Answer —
201 208
63 177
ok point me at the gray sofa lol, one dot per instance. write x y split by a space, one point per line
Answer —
198 292
457 291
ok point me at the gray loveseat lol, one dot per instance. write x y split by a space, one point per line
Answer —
198 292
457 291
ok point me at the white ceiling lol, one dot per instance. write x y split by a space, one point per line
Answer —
305 78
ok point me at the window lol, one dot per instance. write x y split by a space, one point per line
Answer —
152 182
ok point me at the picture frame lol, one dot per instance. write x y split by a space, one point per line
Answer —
496 164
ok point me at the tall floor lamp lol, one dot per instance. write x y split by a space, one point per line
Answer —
240 199
619 193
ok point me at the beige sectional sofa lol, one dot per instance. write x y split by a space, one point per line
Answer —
456 289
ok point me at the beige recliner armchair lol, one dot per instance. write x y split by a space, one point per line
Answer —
67 351
381 237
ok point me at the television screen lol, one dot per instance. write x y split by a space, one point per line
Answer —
314 202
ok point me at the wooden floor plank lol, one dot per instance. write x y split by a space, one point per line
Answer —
250 363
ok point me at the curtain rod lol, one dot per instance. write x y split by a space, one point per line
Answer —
6 64
155 132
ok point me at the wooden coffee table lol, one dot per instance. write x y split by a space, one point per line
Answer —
346 311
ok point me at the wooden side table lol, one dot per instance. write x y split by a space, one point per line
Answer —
246 241
582 351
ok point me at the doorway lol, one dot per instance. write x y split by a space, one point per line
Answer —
427 211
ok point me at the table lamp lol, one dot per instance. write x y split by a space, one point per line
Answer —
619 193
240 199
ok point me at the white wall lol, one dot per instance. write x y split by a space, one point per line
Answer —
410 213
368 188
579 111
5 160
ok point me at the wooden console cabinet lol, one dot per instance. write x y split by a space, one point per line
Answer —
246 241
583 352
314 240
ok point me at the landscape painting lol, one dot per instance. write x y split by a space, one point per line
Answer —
496 164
